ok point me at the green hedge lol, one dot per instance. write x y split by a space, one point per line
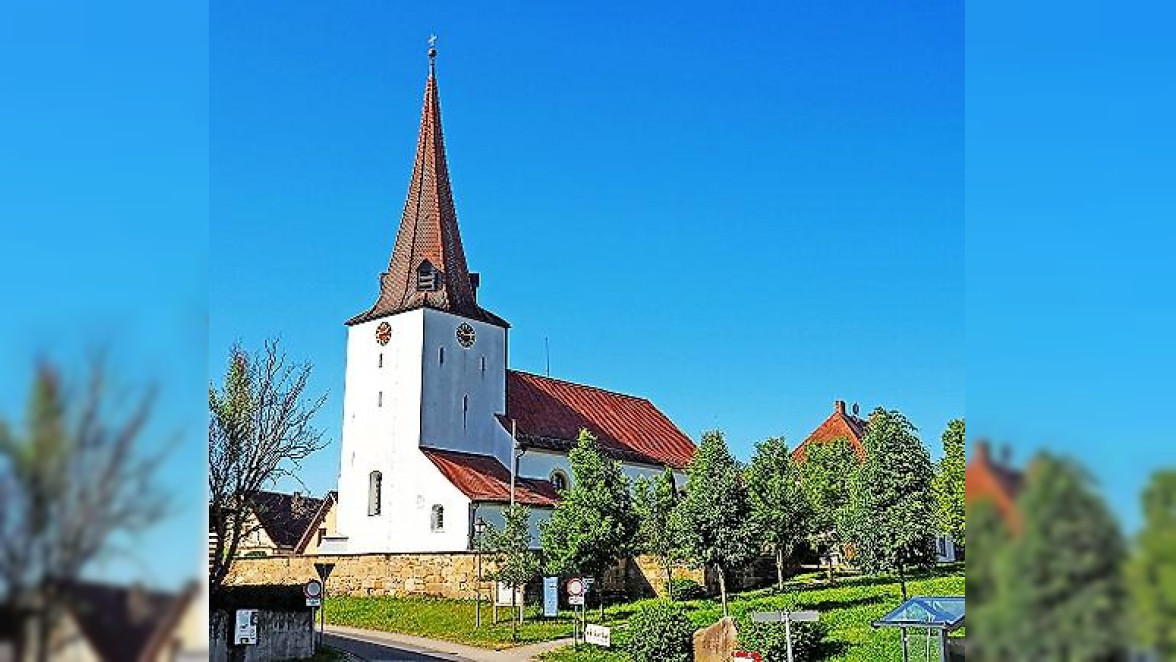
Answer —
660 631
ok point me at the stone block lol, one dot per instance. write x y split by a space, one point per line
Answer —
716 643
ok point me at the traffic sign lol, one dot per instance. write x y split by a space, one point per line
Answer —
313 589
748 655
324 570
575 586
781 616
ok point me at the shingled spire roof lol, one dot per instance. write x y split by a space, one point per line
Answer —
428 265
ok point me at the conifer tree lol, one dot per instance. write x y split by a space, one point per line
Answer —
715 512
990 540
593 525
1060 583
655 501
779 508
1153 569
891 516
949 482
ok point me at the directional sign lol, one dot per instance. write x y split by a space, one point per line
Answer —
599 635
781 616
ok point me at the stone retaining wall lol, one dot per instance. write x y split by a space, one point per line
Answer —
447 575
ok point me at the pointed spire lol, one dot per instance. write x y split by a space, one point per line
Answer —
428 265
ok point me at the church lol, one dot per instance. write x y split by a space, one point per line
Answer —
438 432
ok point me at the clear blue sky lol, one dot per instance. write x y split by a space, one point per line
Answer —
741 212
1070 206
104 244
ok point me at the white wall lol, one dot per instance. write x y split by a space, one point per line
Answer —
540 464
381 433
444 424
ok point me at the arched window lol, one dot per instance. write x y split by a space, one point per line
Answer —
375 484
559 479
438 519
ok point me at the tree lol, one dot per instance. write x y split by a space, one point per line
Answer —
75 479
779 507
1060 583
593 524
714 514
949 482
260 427
510 550
655 501
890 519
1153 568
826 477
990 539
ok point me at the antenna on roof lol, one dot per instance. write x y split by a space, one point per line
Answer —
547 352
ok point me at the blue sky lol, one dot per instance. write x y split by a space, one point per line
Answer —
1070 313
104 207
742 212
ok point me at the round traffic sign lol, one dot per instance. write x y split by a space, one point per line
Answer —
575 586
313 589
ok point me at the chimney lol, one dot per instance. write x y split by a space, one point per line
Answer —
475 281
982 451
839 407
1006 455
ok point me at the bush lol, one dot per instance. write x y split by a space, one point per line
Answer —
687 589
659 631
768 639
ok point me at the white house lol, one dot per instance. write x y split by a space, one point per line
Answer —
429 403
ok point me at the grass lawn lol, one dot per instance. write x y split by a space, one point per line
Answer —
847 607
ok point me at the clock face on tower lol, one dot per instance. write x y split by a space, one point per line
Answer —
465 335
383 333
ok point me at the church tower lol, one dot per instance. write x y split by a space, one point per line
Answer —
426 366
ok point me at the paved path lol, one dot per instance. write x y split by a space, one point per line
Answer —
380 646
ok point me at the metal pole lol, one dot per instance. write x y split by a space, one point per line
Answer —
905 655
788 633
514 460
478 589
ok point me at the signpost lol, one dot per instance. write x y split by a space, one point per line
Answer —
245 631
599 635
787 617
575 589
550 596
324 571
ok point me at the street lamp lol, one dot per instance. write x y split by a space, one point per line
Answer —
479 529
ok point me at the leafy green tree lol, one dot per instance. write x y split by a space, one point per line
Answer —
779 507
1152 571
515 563
1060 583
990 541
655 501
715 512
593 525
890 519
949 482
826 475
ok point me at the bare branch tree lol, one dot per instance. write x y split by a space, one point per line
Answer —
74 480
260 427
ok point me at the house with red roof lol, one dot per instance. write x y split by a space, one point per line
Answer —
989 477
438 432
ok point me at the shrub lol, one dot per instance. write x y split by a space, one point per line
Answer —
659 631
687 589
768 639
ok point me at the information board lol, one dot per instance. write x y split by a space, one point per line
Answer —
550 596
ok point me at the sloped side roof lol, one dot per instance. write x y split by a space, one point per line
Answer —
312 526
550 412
483 478
285 517
839 425
120 622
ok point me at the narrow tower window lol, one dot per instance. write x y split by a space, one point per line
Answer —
483 364
381 360
441 355
465 408
380 399
375 481
438 518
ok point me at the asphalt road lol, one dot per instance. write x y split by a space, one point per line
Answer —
381 652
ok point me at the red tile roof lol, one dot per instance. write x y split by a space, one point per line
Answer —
483 478
985 478
839 425
428 232
550 412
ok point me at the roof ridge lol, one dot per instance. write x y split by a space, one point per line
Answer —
587 386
